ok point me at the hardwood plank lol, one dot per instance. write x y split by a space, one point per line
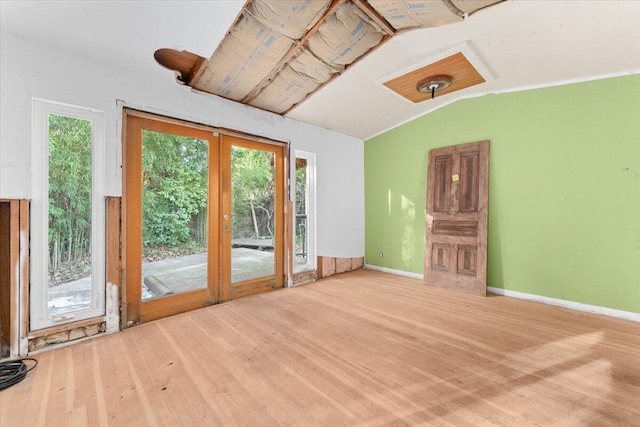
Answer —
57 396
360 348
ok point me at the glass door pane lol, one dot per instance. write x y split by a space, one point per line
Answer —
175 179
253 198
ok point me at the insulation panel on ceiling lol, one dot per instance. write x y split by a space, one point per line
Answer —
415 13
291 18
256 44
345 37
304 74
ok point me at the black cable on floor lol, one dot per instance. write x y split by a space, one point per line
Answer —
14 371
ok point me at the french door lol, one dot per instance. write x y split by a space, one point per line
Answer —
202 217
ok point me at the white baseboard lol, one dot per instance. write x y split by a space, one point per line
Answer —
396 272
595 309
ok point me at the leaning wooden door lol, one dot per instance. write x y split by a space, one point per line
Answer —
457 218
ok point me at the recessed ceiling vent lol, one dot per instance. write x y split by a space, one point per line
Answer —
280 52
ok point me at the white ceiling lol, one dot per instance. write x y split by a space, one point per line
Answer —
516 44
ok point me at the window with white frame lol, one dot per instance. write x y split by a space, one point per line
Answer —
67 215
304 221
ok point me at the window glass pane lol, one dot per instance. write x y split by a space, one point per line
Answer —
69 239
302 220
174 214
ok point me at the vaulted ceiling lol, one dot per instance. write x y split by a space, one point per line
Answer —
514 45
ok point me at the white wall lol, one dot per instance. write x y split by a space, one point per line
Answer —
29 70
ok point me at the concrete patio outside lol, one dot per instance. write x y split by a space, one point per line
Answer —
176 275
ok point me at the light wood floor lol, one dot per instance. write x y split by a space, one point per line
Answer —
362 348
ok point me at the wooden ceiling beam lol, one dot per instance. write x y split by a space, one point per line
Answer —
375 16
292 53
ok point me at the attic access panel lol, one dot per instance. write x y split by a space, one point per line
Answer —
280 52
456 66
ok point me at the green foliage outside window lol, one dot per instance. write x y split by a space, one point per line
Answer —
175 183
253 177
70 144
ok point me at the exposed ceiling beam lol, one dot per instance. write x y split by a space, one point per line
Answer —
292 52
375 16
452 7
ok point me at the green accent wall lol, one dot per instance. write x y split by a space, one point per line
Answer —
564 189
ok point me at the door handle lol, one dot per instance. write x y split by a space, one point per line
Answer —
226 228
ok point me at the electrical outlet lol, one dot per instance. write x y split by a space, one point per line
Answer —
381 255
